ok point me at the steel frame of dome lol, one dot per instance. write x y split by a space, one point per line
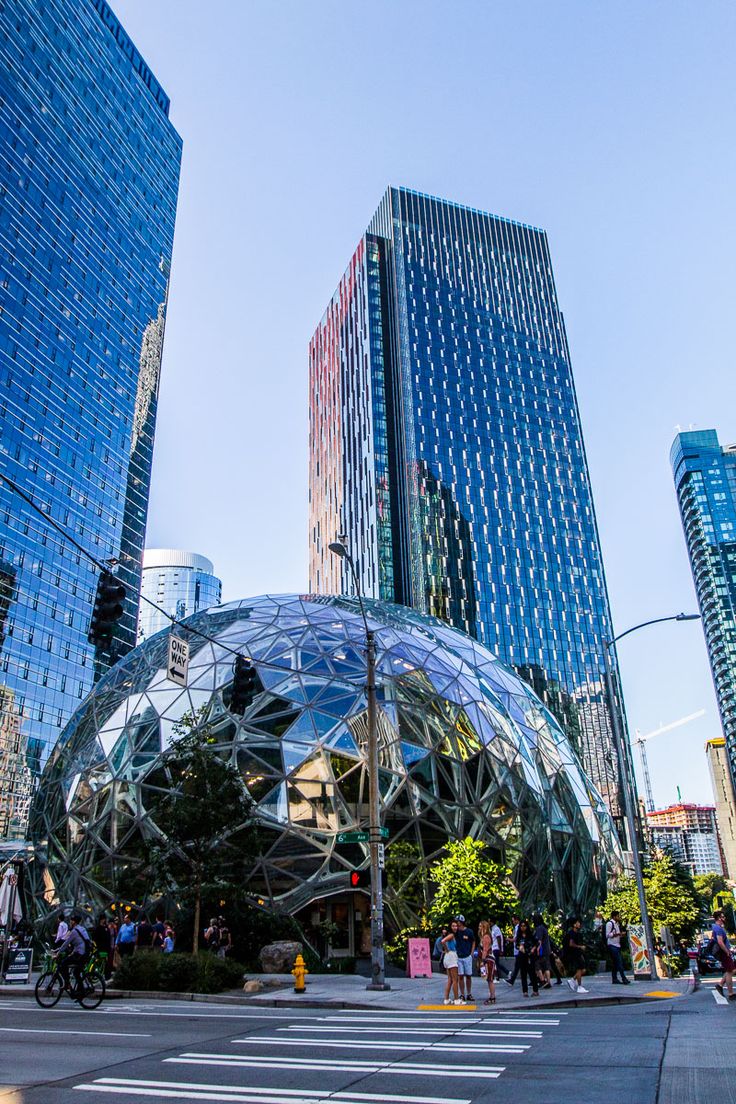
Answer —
466 749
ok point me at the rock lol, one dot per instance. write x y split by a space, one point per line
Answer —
278 958
253 987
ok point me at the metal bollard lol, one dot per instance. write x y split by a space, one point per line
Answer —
300 972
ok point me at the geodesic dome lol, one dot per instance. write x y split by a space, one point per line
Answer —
466 749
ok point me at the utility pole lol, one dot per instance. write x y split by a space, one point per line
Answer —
378 971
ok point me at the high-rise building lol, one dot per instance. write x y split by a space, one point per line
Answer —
690 833
720 777
705 481
445 444
89 174
181 583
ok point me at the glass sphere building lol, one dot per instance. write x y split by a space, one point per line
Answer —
466 749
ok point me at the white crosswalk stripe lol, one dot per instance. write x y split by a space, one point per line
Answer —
253 1061
187 1090
438 1030
381 1044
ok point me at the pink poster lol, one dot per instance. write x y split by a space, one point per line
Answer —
418 961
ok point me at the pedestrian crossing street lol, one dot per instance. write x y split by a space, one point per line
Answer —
317 1059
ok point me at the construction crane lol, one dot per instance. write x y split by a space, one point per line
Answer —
641 741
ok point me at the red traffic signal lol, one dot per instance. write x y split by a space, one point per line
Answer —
360 879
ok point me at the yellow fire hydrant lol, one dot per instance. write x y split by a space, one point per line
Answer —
300 972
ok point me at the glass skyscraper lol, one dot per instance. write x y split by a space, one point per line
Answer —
89 174
445 444
182 583
705 481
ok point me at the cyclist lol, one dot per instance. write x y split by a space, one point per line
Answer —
74 951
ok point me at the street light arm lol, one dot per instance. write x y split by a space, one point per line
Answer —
654 621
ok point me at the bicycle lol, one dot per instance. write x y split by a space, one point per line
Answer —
51 985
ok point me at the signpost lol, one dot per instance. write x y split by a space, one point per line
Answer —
359 836
18 969
177 666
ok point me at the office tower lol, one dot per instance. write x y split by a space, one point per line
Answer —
181 583
445 444
690 833
720 777
89 171
705 481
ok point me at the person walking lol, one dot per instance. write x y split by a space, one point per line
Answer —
212 936
544 951
515 921
450 963
465 945
526 946
614 931
62 931
487 961
169 940
573 951
497 938
126 937
722 951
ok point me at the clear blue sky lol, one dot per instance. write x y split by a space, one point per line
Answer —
611 125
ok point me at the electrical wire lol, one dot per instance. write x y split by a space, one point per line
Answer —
106 569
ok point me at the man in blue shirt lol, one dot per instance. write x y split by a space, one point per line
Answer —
465 943
126 938
74 952
722 952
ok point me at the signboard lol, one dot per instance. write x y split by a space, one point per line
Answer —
381 856
418 959
359 836
18 969
638 948
178 661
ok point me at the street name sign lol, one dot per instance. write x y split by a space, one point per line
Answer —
178 660
359 836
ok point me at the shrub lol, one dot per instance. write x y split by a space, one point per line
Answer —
178 973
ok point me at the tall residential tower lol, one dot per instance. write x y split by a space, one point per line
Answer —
445 443
89 174
705 481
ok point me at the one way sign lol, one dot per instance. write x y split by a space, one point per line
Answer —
178 664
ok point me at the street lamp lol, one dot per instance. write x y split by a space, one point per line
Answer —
627 781
378 976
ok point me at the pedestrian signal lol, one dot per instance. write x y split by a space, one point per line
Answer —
360 879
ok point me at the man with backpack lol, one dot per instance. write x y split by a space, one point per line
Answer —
722 951
614 931
74 951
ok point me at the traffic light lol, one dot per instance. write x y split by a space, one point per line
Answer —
107 610
360 879
244 685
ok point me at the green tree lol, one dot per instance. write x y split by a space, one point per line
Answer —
707 886
204 816
471 884
671 896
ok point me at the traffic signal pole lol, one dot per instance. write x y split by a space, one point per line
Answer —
378 974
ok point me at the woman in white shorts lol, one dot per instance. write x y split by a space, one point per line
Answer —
450 963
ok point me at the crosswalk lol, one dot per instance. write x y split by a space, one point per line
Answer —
337 1050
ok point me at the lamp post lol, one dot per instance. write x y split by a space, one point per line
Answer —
621 746
378 975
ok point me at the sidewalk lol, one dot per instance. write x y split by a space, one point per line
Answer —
407 994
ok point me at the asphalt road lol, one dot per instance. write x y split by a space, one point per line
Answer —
665 1053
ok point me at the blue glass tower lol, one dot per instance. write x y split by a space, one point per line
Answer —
181 583
89 173
705 481
445 443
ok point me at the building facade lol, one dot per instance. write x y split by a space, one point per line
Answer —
181 583
720 777
705 481
690 833
446 446
89 172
